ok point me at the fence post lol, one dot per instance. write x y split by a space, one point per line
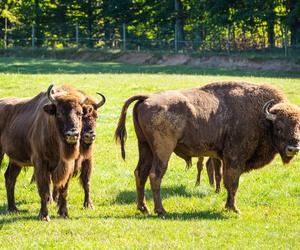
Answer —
176 7
77 35
5 34
124 36
33 36
285 41
175 38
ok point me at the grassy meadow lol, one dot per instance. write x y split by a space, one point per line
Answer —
269 198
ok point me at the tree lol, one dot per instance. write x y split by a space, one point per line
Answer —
293 20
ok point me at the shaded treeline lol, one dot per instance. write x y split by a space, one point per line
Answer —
189 24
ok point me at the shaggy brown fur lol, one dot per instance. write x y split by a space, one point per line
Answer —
44 135
84 163
220 120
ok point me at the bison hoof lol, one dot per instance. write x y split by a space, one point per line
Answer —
88 205
218 190
233 208
13 210
144 209
160 212
44 217
197 183
64 215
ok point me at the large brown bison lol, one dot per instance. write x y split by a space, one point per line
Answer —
44 132
242 124
84 163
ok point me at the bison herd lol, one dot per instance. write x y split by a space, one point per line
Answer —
239 126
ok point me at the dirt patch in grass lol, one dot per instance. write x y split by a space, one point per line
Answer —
201 61
135 58
244 63
174 59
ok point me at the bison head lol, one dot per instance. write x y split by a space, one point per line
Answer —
285 118
88 132
66 106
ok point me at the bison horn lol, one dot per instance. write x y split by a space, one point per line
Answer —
49 94
101 103
266 107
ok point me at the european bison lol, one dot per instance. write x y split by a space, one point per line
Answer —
84 163
244 125
44 132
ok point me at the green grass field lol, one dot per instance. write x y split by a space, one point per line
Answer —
269 198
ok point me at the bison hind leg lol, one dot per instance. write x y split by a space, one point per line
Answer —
199 170
141 174
157 171
218 174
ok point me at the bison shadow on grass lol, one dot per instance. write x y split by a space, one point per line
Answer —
184 216
128 197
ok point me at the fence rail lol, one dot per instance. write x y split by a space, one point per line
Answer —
127 40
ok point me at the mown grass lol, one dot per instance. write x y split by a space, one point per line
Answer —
268 198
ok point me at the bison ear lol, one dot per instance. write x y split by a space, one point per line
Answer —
50 109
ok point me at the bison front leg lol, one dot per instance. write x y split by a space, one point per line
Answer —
43 183
199 170
11 175
62 201
231 183
85 176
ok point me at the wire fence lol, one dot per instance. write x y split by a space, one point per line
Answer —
127 40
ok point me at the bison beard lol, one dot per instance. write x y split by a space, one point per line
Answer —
44 132
244 125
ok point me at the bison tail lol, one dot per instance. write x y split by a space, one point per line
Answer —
121 134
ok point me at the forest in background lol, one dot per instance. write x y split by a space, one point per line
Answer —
187 25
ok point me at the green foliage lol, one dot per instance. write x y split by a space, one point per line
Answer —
200 24
268 198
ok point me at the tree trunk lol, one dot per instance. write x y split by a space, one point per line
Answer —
37 20
107 32
179 23
90 23
233 37
198 36
295 34
271 18
271 34
293 22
